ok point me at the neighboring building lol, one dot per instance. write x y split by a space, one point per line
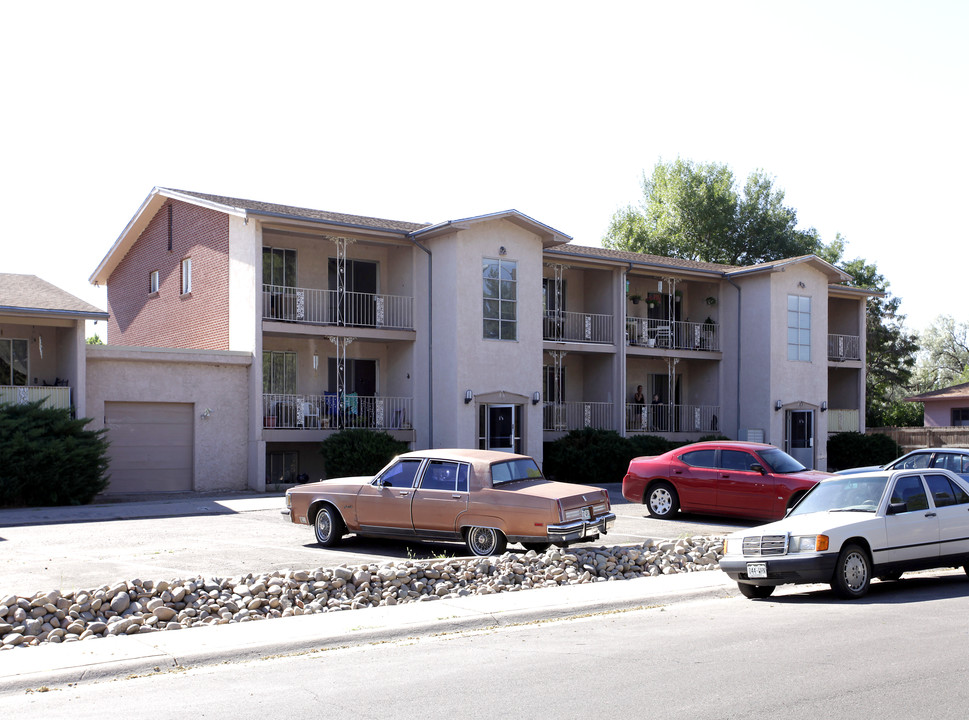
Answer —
42 341
948 407
493 331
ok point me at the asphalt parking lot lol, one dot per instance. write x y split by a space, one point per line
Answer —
231 536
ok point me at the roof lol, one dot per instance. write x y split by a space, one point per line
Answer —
30 295
953 392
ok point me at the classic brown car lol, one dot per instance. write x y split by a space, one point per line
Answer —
481 497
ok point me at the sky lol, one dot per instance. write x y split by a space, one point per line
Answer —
432 111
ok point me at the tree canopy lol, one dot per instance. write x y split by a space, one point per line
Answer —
944 359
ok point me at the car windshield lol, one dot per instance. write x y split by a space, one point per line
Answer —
512 470
780 461
844 494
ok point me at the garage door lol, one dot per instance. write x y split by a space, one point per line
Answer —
151 446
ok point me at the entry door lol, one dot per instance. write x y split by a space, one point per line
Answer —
800 436
501 428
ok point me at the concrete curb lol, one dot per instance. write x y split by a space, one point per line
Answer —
106 658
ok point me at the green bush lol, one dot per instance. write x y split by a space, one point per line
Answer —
48 458
358 451
854 449
641 445
588 456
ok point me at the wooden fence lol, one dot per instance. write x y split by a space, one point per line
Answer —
912 438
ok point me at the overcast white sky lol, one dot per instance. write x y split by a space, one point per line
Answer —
429 111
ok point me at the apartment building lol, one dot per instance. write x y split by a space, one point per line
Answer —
494 331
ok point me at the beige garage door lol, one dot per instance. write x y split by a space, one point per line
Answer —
151 446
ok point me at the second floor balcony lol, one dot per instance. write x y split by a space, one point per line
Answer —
844 347
561 326
53 396
328 307
672 334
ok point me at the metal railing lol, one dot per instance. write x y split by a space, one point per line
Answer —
844 347
564 326
322 307
672 418
672 335
330 410
54 396
565 416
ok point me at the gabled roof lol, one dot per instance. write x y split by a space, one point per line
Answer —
835 275
954 392
29 295
549 235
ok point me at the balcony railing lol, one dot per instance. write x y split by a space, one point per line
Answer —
54 396
672 335
672 418
844 421
322 307
565 416
844 347
330 410
563 326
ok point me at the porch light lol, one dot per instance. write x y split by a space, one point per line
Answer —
316 362
536 397
468 397
778 405
824 406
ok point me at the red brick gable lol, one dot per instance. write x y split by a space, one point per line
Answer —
168 318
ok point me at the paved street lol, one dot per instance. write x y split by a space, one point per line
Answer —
224 537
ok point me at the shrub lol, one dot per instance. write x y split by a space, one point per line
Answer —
641 445
588 456
358 451
853 449
48 458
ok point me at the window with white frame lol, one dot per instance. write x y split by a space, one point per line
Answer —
153 281
13 361
799 328
500 299
186 276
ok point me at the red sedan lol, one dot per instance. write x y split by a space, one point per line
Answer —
720 478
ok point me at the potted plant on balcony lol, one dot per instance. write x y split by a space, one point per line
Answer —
652 300
635 299
678 295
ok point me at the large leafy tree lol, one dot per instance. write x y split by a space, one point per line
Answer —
944 359
694 211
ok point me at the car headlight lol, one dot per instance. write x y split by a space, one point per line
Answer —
807 543
733 546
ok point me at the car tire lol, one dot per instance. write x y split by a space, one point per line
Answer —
662 501
852 573
328 526
538 547
485 541
893 576
756 592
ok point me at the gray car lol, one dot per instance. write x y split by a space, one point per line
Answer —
950 458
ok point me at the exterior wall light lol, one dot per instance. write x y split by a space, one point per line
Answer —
824 406
778 405
536 397
468 397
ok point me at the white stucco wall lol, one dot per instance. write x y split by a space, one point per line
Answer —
207 379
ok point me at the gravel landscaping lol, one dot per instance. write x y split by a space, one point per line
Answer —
142 606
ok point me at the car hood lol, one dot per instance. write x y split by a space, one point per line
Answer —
324 485
814 476
809 524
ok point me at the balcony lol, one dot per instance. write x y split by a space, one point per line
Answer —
332 411
844 347
54 397
656 419
563 326
844 421
672 335
565 416
322 307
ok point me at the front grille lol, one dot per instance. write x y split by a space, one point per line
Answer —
765 545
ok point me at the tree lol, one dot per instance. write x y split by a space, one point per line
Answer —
95 340
693 211
944 360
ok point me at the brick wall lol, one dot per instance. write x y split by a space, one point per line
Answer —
168 318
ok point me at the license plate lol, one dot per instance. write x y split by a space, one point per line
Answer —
586 513
756 570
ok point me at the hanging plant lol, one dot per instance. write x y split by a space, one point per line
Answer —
635 299
711 300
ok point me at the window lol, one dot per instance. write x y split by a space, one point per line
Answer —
915 461
153 281
960 416
799 328
553 384
279 372
700 458
186 276
512 470
282 468
13 361
449 476
736 460
500 303
909 490
400 475
955 462
278 267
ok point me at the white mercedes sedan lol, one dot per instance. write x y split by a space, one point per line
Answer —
849 529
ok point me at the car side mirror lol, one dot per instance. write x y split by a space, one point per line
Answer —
385 483
757 467
897 508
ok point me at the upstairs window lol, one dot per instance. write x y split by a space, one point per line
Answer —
799 328
278 267
186 276
500 299
13 361
153 281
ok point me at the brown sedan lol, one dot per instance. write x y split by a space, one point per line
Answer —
481 497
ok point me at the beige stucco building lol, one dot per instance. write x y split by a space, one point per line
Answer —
272 327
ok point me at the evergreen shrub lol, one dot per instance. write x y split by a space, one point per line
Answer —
358 451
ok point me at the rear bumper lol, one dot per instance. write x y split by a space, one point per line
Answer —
581 529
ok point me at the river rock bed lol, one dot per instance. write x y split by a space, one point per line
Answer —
143 606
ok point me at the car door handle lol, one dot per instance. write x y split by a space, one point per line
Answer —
456 496
404 493
929 514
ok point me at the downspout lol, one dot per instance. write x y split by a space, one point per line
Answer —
740 320
430 343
